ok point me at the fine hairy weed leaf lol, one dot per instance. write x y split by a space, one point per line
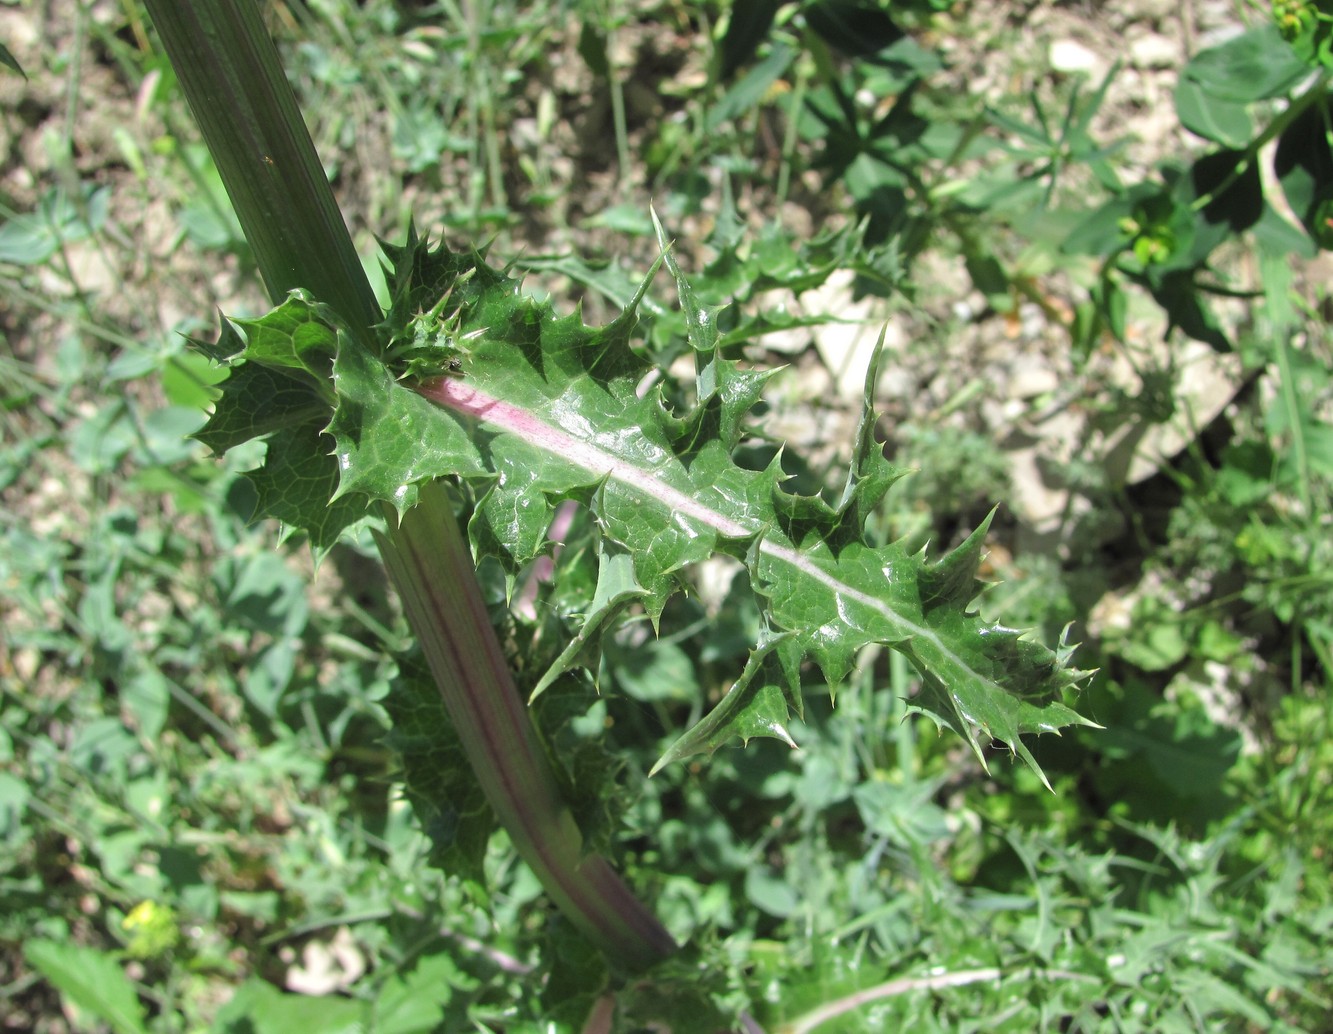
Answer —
479 382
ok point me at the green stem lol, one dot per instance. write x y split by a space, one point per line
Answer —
230 73
618 118
493 723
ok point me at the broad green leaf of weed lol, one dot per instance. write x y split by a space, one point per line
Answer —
1165 760
258 1007
1214 118
749 92
1304 167
207 217
1102 232
32 238
413 1002
1228 181
652 671
1180 295
1253 66
748 26
188 378
905 815
92 982
479 382
664 489
857 28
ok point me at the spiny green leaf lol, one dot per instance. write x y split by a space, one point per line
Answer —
476 380
257 401
278 387
297 486
759 703
298 335
554 411
616 586
382 433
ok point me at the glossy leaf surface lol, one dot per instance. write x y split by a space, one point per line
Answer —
480 382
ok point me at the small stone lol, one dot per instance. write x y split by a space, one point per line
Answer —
1154 51
1030 380
791 340
1071 57
1158 10
896 381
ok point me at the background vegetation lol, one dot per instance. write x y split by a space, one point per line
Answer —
203 818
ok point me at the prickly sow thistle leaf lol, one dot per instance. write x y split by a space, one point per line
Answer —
278 388
479 382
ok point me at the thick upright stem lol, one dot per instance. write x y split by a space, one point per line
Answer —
231 75
500 741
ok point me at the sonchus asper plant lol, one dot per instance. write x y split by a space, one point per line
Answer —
467 396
